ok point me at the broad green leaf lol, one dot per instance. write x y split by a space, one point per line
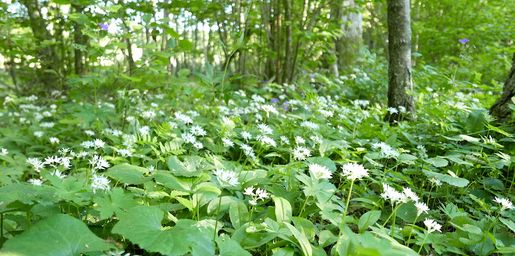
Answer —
238 214
284 252
229 247
454 181
437 161
305 246
59 235
368 219
170 181
179 168
128 174
116 201
142 226
283 211
508 223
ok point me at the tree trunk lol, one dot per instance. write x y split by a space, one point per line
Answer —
399 62
348 45
49 72
501 109
80 40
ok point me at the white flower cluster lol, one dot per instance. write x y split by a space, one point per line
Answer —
505 203
226 178
387 151
97 143
98 163
319 172
353 171
99 182
405 196
432 225
301 153
256 194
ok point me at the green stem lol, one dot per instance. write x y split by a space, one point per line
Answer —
346 206
423 242
393 222
303 206
411 231
216 217
1 227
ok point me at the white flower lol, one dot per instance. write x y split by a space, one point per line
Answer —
151 168
421 208
227 143
258 194
410 194
145 130
267 140
39 134
386 150
299 140
35 182
89 132
36 163
310 125
246 135
284 140
54 140
58 174
226 178
432 225
392 110
198 131
188 138
319 172
248 151
124 152
301 153
353 171
98 163
249 191
393 195
3 152
198 145
265 129
505 203
269 109
149 114
98 143
99 182
183 118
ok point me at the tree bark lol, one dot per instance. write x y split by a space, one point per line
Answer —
399 63
49 72
347 47
81 40
501 109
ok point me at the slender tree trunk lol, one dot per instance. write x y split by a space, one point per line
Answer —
80 40
501 109
399 62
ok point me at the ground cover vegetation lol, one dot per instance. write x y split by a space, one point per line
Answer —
256 128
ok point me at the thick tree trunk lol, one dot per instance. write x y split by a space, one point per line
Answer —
347 47
49 71
399 62
501 109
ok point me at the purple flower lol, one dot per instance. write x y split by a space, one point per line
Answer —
274 100
103 26
463 40
286 105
